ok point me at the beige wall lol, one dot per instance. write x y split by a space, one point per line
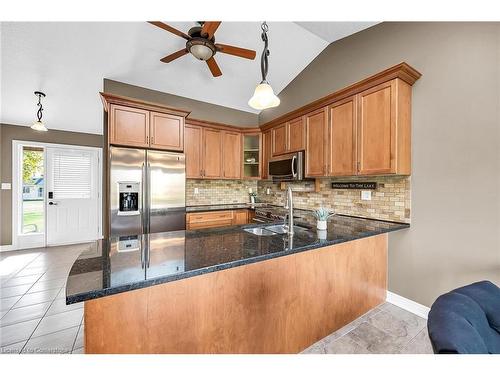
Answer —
455 186
24 133
199 110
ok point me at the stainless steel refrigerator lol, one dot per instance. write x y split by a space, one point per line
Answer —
147 191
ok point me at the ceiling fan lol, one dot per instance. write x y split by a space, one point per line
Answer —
200 42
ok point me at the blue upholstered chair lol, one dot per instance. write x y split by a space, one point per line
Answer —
466 320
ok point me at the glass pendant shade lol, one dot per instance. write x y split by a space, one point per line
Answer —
201 52
39 126
264 97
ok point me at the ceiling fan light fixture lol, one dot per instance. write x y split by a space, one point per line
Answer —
201 48
264 97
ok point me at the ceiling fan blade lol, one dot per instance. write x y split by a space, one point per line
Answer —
174 56
166 27
209 28
236 51
214 68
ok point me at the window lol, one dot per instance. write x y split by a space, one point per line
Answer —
33 217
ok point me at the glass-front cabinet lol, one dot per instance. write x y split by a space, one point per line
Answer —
251 155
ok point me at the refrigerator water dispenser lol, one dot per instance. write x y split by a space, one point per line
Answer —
128 198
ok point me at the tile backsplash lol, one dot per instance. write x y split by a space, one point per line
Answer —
218 191
390 201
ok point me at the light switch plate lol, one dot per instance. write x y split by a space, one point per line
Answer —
366 195
268 191
6 186
196 191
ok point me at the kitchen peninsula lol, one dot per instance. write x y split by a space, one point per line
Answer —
225 290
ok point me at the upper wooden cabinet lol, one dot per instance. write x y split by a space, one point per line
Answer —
296 134
316 143
266 152
166 131
280 139
342 137
212 153
231 151
362 129
137 127
193 146
128 126
289 137
384 129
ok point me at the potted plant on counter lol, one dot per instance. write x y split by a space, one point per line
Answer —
322 215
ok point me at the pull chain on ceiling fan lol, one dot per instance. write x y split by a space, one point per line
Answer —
200 42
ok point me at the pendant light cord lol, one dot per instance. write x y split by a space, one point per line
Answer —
264 63
40 108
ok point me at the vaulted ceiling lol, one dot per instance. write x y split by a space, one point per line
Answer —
68 61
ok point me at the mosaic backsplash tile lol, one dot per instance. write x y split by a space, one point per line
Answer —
218 191
390 201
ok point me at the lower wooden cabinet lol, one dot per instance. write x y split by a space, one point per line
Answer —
215 219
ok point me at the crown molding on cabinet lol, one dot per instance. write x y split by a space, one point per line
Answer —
108 99
402 71
221 126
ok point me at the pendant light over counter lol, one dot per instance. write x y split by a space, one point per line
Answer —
264 96
38 124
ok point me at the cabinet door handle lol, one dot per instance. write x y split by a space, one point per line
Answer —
152 140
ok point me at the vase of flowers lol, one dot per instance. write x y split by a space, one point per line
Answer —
322 215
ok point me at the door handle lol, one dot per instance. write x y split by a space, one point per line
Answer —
52 204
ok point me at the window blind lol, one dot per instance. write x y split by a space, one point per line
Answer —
72 174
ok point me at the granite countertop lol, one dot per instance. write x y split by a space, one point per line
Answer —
220 207
121 264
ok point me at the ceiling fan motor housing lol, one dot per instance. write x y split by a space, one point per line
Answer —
200 47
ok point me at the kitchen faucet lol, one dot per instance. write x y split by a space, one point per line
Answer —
289 207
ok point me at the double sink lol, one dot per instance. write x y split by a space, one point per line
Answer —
271 230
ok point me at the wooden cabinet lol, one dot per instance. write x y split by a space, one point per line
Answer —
288 137
266 153
193 146
167 131
342 137
212 153
240 217
384 129
316 143
214 219
279 134
128 126
231 151
296 135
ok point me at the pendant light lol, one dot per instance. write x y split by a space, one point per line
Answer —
38 124
263 96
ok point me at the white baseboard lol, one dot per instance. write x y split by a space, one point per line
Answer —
408 305
7 248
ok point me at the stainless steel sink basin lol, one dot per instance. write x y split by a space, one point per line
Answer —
278 228
260 231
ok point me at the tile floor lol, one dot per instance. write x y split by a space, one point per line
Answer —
34 317
387 329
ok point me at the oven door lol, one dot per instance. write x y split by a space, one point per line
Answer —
287 167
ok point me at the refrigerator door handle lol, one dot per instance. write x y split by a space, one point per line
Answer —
143 195
148 217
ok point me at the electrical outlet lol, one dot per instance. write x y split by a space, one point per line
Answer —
366 195
250 191
268 191
196 191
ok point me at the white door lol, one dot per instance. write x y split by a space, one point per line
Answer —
72 195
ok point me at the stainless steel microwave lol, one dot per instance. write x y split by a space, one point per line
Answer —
289 167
